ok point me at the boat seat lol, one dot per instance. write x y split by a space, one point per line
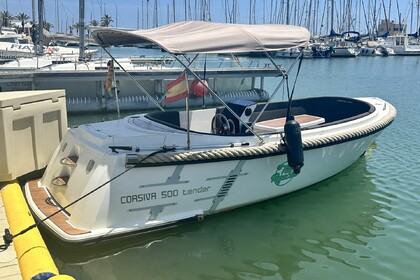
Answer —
200 120
277 125
168 117
276 113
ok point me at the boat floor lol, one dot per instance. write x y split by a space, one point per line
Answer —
41 197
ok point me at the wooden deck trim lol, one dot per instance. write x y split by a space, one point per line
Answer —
39 196
277 125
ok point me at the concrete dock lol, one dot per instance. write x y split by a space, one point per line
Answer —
9 266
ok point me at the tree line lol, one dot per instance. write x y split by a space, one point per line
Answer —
6 21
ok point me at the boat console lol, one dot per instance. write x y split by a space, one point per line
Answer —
242 108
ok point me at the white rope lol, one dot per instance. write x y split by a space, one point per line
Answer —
266 149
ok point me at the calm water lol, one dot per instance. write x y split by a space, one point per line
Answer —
360 224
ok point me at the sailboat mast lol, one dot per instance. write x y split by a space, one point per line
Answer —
327 18
168 12
332 14
81 30
156 17
250 11
138 18
264 20
386 19
411 17
369 25
309 14
375 19
116 16
142 14
185 10
33 12
418 15
399 19
56 15
147 14
41 26
33 20
173 9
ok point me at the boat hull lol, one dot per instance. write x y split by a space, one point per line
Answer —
150 197
344 52
408 50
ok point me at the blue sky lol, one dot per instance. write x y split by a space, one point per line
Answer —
62 13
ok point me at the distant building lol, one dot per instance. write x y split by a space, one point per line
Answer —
391 27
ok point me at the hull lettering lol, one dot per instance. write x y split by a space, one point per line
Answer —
137 198
195 190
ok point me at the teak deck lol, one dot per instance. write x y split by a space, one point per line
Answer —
39 196
277 125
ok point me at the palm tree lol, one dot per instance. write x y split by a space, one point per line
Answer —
6 18
23 18
93 22
106 20
47 26
76 27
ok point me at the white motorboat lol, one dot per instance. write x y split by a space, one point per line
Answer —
401 45
12 51
375 51
9 40
38 62
375 48
314 50
161 168
72 63
344 51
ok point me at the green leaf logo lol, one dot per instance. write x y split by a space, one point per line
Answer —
284 174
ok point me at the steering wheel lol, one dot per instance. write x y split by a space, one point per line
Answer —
221 125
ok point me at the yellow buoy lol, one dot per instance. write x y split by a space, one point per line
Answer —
32 253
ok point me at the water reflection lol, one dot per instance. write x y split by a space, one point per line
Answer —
332 221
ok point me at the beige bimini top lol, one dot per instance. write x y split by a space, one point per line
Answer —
209 37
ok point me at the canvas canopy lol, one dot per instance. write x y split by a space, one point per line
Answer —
208 37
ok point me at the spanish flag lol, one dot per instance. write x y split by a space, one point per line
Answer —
177 90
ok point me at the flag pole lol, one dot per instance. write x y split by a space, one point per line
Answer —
187 109
204 78
111 84
114 86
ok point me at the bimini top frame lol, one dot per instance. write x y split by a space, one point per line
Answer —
203 37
